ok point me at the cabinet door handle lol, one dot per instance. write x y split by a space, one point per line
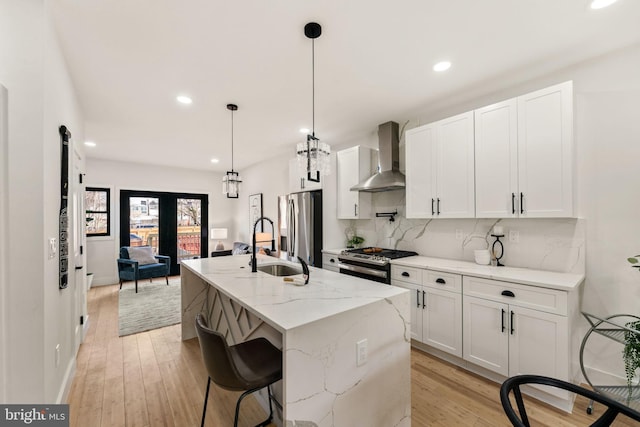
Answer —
513 203
433 211
508 294
332 260
418 298
502 319
521 203
441 280
512 329
423 298
405 274
438 206
355 209
302 183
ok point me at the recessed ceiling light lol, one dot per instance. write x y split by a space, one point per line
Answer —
600 4
184 99
442 66
215 161
90 143
304 130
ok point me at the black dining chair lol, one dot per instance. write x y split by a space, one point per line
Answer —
248 366
521 419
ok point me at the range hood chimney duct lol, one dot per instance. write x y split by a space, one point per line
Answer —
389 178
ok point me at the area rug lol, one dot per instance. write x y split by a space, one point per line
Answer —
156 305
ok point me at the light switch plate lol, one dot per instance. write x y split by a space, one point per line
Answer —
53 247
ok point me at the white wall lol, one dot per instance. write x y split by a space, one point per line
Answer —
41 98
102 252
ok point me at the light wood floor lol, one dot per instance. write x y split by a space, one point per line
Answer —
154 379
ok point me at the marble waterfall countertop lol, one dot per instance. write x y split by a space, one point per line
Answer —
283 305
527 276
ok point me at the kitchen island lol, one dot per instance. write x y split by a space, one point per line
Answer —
345 341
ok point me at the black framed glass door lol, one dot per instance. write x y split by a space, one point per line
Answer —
173 224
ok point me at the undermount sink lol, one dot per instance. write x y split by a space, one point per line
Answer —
279 270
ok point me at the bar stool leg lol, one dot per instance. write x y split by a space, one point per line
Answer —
206 398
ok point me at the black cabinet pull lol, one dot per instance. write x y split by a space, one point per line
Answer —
433 212
502 319
440 280
513 203
418 298
521 203
512 329
508 294
332 260
405 274
423 293
438 206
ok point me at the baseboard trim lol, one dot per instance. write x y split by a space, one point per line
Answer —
63 394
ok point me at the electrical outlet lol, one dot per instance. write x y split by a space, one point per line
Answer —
361 352
459 234
57 355
514 236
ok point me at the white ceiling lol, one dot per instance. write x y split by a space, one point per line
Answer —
129 59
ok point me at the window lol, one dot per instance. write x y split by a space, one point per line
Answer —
98 215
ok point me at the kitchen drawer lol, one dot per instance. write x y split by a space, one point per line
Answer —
330 262
406 274
446 281
542 299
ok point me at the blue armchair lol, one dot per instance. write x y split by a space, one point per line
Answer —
142 264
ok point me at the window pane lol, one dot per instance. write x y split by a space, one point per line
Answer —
189 220
96 223
96 201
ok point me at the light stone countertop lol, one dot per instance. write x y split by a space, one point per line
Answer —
283 305
527 276
333 251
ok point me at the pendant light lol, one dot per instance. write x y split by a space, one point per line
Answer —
313 155
231 181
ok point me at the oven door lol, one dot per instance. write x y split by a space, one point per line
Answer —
365 271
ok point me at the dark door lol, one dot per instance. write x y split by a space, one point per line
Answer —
173 224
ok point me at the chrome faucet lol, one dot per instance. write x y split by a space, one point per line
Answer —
254 262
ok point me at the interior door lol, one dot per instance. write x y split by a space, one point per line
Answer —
173 224
79 313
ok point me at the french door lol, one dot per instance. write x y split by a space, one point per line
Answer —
173 224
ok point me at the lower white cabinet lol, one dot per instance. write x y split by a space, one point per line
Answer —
503 334
330 262
436 307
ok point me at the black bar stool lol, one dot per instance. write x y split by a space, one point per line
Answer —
248 366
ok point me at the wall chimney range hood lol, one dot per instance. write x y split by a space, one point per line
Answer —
389 178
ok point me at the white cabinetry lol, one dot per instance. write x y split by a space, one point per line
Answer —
436 306
440 169
515 329
524 155
353 166
299 182
330 262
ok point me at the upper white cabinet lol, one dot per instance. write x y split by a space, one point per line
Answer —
298 182
353 165
440 169
524 155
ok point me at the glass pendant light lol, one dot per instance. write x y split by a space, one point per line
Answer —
313 155
231 181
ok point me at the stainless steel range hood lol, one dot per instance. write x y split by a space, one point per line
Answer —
389 178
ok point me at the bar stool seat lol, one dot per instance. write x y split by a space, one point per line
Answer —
248 366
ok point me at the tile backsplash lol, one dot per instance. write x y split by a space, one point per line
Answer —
545 244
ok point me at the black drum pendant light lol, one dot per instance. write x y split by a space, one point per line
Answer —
231 181
313 155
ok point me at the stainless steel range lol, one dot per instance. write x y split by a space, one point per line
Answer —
370 263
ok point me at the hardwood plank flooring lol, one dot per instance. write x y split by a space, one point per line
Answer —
154 379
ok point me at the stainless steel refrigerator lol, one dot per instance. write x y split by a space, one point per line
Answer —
300 227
